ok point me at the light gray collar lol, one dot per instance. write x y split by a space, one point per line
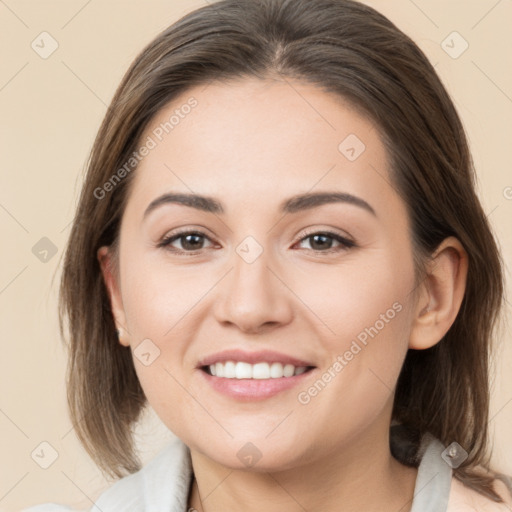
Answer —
433 483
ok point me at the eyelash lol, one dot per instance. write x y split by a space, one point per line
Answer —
167 240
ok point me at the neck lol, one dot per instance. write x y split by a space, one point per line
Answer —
362 476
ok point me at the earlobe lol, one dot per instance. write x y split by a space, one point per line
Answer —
105 260
442 292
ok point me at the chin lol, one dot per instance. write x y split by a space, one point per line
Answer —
255 454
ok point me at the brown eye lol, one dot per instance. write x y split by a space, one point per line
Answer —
324 241
189 241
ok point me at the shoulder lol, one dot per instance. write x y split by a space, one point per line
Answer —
49 507
464 499
162 483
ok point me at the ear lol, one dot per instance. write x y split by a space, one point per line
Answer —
441 294
105 256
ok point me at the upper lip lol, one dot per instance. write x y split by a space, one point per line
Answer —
260 356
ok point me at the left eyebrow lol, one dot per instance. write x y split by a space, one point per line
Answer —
294 204
314 199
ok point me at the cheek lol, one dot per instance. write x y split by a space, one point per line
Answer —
364 329
362 298
166 392
157 297
355 388
162 302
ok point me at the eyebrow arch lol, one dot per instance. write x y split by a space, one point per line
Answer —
297 203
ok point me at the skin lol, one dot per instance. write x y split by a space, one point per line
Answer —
252 144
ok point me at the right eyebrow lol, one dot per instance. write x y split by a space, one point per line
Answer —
204 203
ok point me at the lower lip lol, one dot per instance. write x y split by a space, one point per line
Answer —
253 389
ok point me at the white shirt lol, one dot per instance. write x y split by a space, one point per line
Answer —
163 484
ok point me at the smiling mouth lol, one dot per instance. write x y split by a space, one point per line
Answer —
263 370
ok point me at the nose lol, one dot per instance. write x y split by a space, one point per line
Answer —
255 298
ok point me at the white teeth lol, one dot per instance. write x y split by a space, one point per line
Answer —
288 370
261 371
242 370
276 370
229 370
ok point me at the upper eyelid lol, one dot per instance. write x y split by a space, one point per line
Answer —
329 231
182 234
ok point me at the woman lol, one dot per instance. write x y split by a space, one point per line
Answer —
279 248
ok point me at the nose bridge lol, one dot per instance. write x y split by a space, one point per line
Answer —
253 295
252 265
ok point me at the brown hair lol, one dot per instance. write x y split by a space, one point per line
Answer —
349 49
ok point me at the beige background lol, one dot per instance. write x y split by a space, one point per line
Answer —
51 109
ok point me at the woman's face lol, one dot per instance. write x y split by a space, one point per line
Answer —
299 262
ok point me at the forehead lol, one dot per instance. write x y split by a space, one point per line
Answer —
257 139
